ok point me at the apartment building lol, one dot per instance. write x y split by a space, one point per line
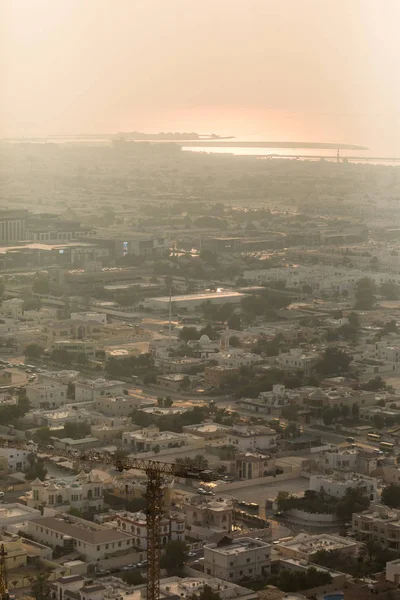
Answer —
343 459
83 492
379 523
172 526
233 560
304 546
91 541
296 359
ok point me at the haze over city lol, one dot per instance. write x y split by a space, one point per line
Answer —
295 70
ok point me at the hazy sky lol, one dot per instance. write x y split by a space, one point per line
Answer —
314 70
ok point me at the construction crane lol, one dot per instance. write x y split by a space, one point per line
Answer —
156 473
4 595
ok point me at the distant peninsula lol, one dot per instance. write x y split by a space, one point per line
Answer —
169 136
293 145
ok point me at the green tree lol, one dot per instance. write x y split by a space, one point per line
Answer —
40 589
174 557
354 500
333 362
378 421
70 390
33 351
390 291
41 284
365 294
188 334
391 495
354 319
133 577
36 469
207 593
42 435
235 322
328 416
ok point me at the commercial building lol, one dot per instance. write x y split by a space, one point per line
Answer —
12 225
234 560
91 541
191 302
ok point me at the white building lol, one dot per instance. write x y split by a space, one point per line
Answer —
146 440
90 316
393 571
17 459
91 389
236 359
233 560
245 437
10 514
119 406
14 308
337 485
42 395
296 359
172 526
83 492
339 458
191 302
91 541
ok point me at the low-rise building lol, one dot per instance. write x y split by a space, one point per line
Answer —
146 440
251 465
216 376
17 460
380 524
212 516
91 541
304 546
116 406
248 437
10 514
174 382
296 359
83 492
234 560
339 483
207 430
91 389
172 526
46 395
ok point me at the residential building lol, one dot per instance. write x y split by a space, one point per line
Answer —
12 225
76 347
172 526
83 492
251 465
246 437
393 571
116 406
17 459
177 365
296 359
91 389
145 440
337 484
90 316
13 308
304 546
380 524
174 382
207 430
236 359
234 560
10 514
207 517
348 459
91 541
44 395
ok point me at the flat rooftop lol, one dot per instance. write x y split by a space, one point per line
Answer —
204 296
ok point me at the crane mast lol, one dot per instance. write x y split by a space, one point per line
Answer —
156 473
